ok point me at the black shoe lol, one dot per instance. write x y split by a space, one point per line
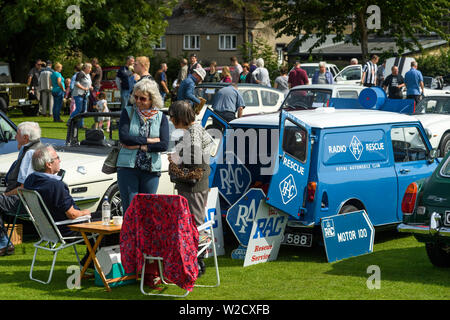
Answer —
7 251
201 267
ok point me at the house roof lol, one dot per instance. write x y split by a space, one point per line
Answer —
342 49
190 23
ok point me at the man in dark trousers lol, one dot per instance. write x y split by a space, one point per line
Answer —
123 75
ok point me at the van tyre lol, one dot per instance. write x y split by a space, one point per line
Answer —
445 145
348 208
438 256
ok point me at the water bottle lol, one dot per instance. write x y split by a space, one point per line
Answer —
106 212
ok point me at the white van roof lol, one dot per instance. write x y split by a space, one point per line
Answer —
328 118
403 64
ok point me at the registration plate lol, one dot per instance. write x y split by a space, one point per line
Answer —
297 239
447 219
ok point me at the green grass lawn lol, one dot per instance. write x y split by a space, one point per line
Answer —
298 274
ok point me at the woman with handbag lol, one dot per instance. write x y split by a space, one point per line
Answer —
144 134
189 165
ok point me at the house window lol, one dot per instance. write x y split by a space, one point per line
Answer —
227 42
191 42
161 45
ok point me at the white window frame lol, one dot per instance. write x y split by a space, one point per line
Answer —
161 45
224 37
189 36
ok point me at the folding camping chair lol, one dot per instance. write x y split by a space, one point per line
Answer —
206 227
51 239
18 214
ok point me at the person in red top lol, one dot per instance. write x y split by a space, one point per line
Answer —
297 76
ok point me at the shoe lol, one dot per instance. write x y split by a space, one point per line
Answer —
7 251
58 120
201 267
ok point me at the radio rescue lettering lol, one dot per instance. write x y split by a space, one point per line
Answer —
356 147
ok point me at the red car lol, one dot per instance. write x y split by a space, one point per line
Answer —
109 86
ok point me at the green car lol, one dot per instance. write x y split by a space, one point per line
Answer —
426 213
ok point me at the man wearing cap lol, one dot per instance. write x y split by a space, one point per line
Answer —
187 86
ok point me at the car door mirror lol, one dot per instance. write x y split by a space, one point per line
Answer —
433 154
8 136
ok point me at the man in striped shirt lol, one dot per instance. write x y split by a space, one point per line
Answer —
369 76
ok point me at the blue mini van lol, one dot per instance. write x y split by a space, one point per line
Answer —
313 164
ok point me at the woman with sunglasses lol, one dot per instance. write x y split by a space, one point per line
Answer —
144 134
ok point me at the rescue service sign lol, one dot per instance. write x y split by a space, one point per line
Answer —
267 233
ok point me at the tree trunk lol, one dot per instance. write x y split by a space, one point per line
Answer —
364 40
20 57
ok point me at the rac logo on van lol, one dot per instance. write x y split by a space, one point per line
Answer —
356 147
288 189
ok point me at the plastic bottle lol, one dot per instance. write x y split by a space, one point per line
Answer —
106 212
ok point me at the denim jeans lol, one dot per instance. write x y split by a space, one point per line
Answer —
124 97
80 105
132 181
57 104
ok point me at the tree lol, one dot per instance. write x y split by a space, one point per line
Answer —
402 20
107 28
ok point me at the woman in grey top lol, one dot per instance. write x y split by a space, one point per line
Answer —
281 82
261 74
83 84
193 152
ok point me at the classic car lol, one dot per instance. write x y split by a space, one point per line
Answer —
258 99
434 113
312 67
82 158
8 131
426 213
109 86
317 95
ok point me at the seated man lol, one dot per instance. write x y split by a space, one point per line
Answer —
56 195
52 189
28 139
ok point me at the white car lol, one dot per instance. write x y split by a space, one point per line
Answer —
352 74
82 160
318 95
312 67
258 99
434 114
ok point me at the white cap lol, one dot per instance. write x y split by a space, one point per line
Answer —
201 72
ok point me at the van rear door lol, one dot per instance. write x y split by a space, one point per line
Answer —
288 184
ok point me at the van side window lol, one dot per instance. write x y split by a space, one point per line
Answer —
269 98
408 144
295 141
348 94
351 74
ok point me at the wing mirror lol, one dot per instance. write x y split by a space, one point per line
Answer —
433 154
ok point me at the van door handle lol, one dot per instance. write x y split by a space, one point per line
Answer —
404 171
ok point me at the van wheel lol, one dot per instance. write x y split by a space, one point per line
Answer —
445 145
437 255
113 195
348 208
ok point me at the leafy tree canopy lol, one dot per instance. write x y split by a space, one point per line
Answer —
108 28
403 20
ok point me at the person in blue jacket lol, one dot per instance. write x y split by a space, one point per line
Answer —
187 86
322 76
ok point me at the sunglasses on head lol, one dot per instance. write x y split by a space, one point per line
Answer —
140 98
